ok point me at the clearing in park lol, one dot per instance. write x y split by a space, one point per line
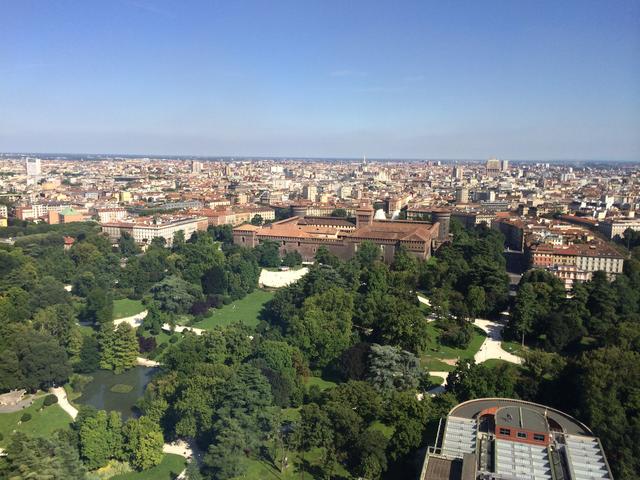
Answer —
246 310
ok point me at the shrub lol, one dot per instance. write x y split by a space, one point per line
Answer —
78 382
173 339
199 308
146 344
215 300
50 400
25 417
121 388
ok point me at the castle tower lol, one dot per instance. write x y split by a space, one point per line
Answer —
443 217
364 216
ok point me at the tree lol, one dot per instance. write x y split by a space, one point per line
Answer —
267 254
33 360
100 439
324 257
119 347
257 219
59 321
224 458
605 390
143 443
127 245
175 295
368 253
323 330
369 455
41 458
292 259
524 311
339 212
99 306
476 301
393 368
470 380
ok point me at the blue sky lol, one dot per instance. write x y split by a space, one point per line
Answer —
521 79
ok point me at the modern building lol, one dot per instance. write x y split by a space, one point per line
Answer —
34 168
196 166
462 195
309 192
493 167
506 439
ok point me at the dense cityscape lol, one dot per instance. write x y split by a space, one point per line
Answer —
320 240
319 317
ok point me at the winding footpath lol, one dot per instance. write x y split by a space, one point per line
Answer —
63 401
490 349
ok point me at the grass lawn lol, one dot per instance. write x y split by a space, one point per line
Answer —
386 430
435 381
246 310
319 382
126 307
513 347
263 470
168 469
435 352
292 414
42 424
495 362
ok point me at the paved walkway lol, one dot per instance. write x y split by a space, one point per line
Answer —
424 300
134 320
63 401
492 347
145 362
183 328
440 388
186 449
281 279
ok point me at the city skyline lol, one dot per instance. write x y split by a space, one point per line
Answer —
541 82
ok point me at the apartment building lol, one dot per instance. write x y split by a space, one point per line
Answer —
145 229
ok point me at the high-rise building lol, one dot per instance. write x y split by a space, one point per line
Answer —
458 172
34 168
196 166
493 166
504 165
309 192
462 195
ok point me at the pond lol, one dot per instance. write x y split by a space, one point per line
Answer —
108 391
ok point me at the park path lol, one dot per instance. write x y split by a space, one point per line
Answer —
63 401
134 320
145 362
280 279
492 346
424 300
185 449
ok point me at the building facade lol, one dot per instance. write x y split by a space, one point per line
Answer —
506 439
341 237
